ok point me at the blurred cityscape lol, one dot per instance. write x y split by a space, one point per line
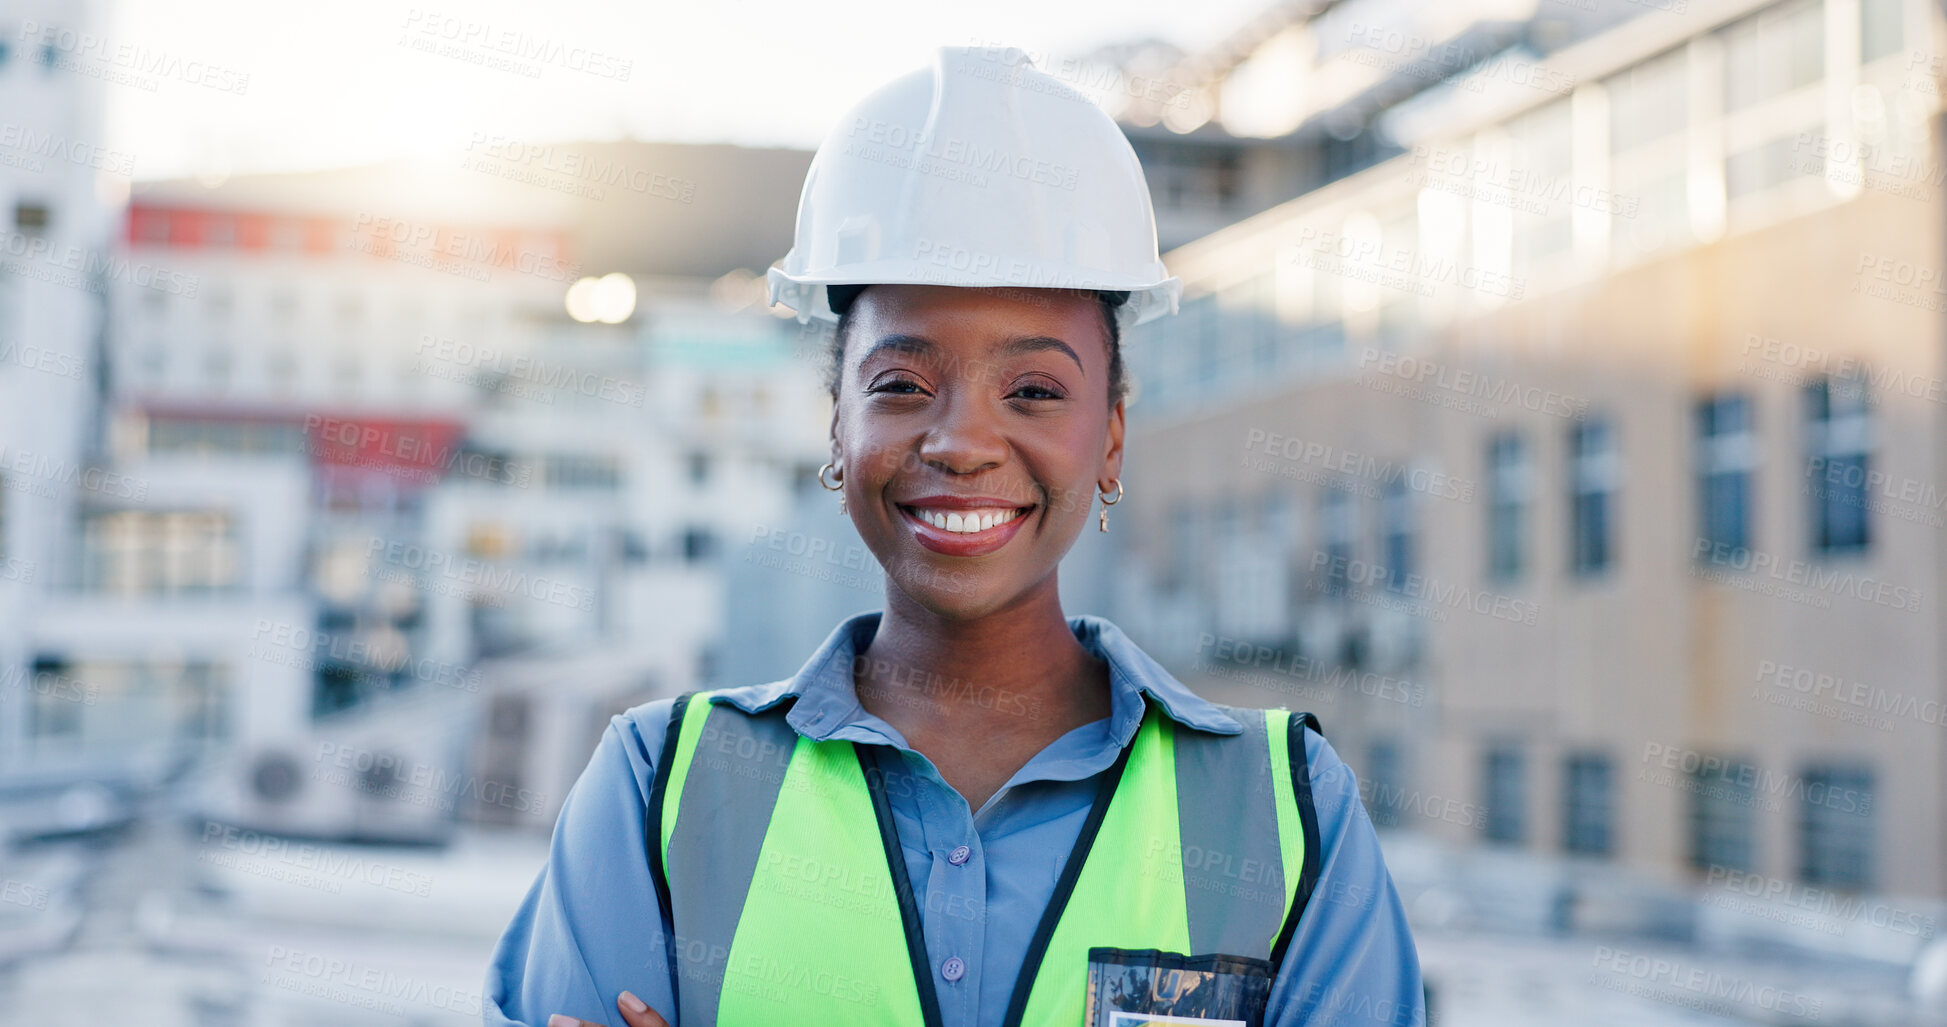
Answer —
1555 409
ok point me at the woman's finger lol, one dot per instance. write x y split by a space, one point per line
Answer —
636 1013
557 1020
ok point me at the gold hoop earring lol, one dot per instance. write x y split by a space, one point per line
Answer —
1107 502
838 477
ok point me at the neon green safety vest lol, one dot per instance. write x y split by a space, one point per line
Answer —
786 899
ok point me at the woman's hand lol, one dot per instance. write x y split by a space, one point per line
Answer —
635 1013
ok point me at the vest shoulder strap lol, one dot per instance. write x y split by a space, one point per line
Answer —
653 837
1301 790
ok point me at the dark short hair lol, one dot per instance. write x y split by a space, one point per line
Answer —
842 297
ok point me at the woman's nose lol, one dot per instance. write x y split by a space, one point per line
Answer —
966 438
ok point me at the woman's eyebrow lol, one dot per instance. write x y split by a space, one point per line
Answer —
912 344
1036 343
917 345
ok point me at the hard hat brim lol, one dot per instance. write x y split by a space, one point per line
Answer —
806 295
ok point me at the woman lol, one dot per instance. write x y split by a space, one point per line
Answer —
967 808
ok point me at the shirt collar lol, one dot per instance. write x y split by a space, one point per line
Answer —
826 700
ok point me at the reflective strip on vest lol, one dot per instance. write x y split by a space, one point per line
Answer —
785 896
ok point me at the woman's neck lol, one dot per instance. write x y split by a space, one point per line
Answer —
980 697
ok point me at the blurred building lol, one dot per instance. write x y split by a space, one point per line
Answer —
59 184
1574 447
394 532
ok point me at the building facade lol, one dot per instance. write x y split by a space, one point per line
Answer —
1581 462
59 185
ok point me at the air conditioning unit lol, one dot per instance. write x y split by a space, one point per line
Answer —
394 782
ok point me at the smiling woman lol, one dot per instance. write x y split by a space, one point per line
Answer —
968 807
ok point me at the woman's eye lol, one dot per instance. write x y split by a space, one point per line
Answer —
1037 392
898 385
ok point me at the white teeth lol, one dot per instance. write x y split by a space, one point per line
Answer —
965 523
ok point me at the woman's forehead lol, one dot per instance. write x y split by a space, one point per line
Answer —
982 319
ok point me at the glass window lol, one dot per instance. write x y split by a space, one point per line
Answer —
1835 826
1227 519
1396 533
159 552
1722 801
1773 52
1649 101
582 471
1191 176
31 218
1592 472
1338 521
121 705
197 695
1726 452
1504 794
1590 812
699 544
1385 788
1416 276
54 701
1278 518
1838 459
1264 321
1244 339
1881 31
1540 174
1509 485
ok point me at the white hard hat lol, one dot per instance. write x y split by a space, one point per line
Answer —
977 171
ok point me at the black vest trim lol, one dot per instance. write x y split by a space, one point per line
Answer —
1301 790
902 887
658 872
1044 932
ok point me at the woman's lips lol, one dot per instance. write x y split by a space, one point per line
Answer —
963 543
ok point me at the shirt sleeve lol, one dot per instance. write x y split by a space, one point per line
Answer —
591 924
1351 961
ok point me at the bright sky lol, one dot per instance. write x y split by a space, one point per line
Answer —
351 81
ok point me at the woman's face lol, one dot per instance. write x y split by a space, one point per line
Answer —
973 428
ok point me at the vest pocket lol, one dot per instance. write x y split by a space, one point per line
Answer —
1133 987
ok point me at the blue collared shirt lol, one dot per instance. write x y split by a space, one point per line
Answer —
590 925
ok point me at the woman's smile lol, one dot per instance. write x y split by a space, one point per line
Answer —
963 525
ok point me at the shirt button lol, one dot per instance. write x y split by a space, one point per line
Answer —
959 855
953 969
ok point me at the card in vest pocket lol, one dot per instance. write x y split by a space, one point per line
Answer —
1153 988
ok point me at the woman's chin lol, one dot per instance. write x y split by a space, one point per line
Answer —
949 593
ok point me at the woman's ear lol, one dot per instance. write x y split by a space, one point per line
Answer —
1112 458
